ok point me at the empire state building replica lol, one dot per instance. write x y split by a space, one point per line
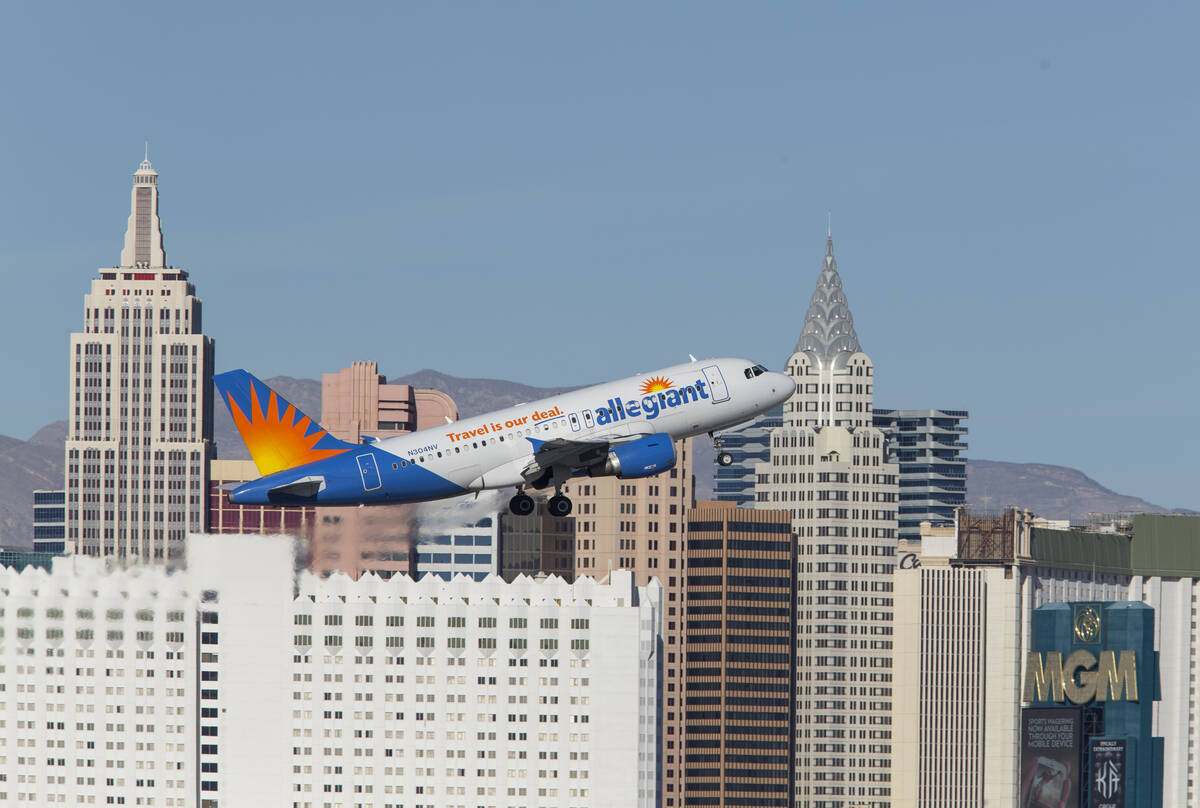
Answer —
139 434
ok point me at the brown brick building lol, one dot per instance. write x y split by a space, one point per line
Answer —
738 684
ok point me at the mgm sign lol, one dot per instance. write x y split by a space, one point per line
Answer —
1090 684
1082 677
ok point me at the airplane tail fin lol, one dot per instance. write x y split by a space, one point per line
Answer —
277 434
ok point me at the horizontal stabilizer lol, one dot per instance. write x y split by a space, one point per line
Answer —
304 487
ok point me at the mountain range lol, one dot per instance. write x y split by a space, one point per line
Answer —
1055 492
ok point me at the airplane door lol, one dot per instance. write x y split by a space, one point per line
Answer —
588 420
574 419
369 472
717 390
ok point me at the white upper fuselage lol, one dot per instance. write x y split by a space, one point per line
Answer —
492 450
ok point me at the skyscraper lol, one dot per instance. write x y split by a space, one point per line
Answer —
355 402
927 444
139 421
828 466
739 646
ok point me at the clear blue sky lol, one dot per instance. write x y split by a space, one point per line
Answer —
558 194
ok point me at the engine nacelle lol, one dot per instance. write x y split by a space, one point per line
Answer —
643 457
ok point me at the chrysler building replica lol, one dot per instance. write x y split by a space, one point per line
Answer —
139 430
828 466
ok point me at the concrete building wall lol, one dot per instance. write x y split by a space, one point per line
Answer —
237 681
100 679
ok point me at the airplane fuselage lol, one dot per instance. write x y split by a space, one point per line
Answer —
503 448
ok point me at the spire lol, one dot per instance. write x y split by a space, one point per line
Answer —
828 327
143 236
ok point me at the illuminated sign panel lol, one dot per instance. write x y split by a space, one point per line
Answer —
1106 783
1050 758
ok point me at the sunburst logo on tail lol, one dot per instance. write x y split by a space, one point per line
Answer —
656 384
274 441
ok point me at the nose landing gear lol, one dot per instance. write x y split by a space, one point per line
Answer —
724 458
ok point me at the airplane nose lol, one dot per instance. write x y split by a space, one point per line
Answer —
782 387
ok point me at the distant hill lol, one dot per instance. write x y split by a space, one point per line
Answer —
1055 492
24 467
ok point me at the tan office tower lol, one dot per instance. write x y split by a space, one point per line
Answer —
827 466
639 525
537 545
139 424
739 650
356 402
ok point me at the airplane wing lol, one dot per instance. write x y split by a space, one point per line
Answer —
573 454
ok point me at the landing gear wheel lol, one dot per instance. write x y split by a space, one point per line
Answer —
521 505
559 506
725 459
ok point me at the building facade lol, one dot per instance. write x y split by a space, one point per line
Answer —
829 467
537 544
749 446
225 517
928 446
238 682
139 421
965 601
739 609
639 525
357 403
471 549
49 521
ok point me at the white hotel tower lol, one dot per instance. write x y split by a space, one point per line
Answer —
828 466
238 682
139 431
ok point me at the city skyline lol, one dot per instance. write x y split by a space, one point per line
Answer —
1009 200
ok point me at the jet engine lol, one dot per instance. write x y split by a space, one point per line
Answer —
643 457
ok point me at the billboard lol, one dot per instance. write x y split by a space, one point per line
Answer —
1050 747
1106 783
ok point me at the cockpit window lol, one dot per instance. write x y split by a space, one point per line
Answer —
755 370
749 373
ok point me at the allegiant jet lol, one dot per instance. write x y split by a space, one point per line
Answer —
624 428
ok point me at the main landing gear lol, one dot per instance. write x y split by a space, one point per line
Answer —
724 458
558 506
522 504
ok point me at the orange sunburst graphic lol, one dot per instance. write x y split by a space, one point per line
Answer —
274 441
657 383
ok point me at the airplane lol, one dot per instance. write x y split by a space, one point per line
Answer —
624 428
